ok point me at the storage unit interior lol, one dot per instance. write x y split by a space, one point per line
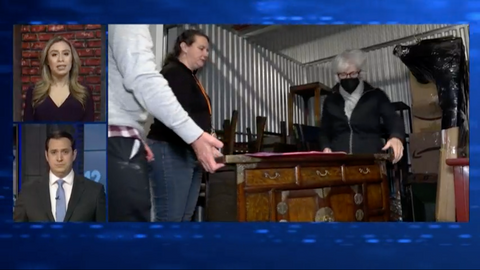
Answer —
254 70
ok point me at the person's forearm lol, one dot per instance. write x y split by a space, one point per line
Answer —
163 105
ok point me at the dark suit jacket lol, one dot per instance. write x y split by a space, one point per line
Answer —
86 204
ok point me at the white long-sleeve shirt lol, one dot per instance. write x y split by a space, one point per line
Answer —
136 87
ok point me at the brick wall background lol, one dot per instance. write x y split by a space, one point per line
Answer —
87 39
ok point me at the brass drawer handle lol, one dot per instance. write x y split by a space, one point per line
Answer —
359 215
358 198
282 208
323 174
327 219
272 177
364 171
324 214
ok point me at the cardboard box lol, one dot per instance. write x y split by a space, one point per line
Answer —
424 148
426 112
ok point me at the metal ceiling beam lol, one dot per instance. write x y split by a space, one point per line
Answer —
260 31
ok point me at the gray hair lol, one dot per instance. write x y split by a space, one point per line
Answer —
348 58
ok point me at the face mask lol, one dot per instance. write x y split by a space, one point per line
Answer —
349 84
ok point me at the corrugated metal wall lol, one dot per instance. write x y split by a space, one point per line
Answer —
385 70
248 78
254 75
307 43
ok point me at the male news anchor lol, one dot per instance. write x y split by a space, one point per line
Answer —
62 195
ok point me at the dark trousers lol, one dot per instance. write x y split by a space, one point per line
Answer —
128 182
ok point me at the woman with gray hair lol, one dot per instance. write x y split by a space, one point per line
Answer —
356 114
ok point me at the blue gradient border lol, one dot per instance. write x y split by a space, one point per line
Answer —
239 246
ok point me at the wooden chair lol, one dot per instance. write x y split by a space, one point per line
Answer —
255 144
230 128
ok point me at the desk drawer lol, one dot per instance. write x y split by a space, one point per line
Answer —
369 172
316 175
270 177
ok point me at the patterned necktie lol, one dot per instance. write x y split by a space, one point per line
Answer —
61 204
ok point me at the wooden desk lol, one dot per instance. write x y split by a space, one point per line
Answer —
303 189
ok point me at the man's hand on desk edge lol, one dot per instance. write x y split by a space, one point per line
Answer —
216 152
206 148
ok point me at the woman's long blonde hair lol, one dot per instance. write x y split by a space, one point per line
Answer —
42 87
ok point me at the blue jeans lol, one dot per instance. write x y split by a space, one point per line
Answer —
175 180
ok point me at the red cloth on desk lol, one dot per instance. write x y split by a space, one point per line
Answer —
311 153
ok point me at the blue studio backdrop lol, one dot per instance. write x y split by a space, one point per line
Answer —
234 245
95 152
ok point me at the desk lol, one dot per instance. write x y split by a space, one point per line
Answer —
309 188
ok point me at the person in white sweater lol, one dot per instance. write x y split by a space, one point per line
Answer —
135 89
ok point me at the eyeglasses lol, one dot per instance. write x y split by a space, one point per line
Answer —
352 75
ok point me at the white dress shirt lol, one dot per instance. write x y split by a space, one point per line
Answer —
67 187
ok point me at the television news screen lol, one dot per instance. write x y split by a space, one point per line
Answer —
343 131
